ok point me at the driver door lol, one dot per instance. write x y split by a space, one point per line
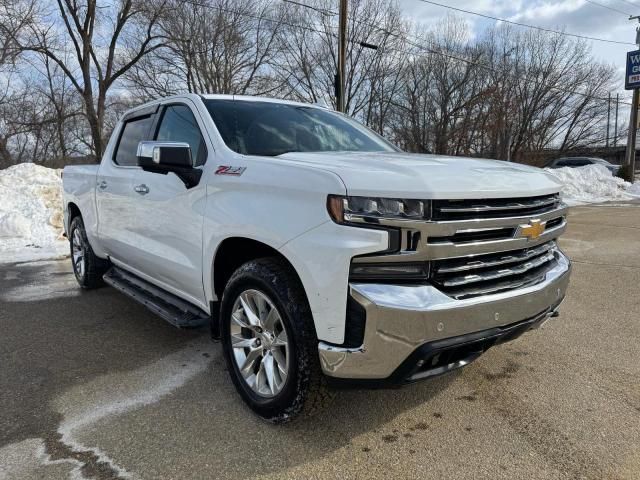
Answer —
168 219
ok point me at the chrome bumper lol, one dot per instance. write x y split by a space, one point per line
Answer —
401 318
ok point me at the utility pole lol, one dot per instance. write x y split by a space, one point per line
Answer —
633 119
631 136
342 60
340 78
608 117
615 124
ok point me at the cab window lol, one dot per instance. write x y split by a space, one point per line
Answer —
133 132
179 125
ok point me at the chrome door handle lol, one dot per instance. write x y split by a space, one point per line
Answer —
141 189
102 185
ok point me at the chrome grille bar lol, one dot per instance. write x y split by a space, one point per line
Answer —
443 250
497 287
510 257
498 208
485 276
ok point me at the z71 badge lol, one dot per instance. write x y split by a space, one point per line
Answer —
229 170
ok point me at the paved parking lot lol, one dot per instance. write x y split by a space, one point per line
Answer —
94 386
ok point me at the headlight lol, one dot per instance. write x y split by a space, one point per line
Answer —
345 209
367 212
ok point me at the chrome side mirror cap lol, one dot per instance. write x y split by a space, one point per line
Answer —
164 154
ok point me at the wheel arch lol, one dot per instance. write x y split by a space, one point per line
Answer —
235 251
73 211
231 253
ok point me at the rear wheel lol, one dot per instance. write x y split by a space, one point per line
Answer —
87 267
269 342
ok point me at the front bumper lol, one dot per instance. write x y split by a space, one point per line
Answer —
414 322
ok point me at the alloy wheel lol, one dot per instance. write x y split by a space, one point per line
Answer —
260 343
77 252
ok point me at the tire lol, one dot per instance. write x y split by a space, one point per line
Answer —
87 267
265 284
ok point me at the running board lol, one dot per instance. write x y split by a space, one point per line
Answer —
174 310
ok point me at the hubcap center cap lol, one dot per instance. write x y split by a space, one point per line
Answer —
266 339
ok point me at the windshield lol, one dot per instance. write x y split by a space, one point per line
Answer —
266 128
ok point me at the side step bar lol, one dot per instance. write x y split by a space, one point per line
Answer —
174 310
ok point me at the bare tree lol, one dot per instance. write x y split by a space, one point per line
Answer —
442 90
216 46
554 92
15 17
308 60
68 69
502 96
94 45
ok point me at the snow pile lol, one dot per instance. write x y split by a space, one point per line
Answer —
31 213
592 184
634 189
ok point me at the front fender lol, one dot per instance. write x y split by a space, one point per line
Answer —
322 257
271 202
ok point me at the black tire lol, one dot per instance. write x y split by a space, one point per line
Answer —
89 274
304 391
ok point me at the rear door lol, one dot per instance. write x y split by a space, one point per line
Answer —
168 219
115 197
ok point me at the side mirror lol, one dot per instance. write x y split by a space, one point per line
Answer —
164 155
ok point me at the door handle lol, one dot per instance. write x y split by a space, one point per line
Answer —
102 185
141 189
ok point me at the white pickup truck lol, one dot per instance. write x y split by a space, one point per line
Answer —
319 252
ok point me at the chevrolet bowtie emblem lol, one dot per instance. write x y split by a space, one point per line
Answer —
532 230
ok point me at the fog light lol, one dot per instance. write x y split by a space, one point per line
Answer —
388 271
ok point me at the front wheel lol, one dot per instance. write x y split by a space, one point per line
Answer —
269 342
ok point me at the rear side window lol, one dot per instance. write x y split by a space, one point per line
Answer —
133 132
179 125
573 162
580 162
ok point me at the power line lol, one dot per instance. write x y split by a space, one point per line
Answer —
317 9
629 3
491 69
406 38
252 16
402 37
535 27
609 8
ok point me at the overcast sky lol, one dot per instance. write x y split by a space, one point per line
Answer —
574 16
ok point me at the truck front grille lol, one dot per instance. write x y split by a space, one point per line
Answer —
483 246
494 273
493 208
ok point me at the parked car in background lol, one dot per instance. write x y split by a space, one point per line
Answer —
574 162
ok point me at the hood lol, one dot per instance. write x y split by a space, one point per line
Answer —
408 175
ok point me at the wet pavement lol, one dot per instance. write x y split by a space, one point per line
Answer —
94 386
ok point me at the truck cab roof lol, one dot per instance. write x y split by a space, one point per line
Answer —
209 96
